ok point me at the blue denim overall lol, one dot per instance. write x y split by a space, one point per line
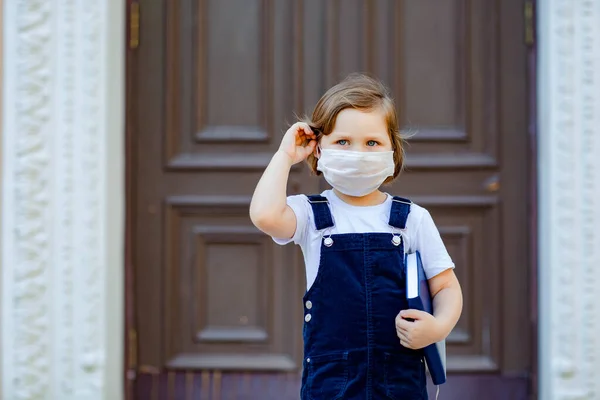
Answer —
351 350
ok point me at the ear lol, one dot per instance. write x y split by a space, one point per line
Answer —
317 151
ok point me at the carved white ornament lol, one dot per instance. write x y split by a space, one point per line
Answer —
569 198
54 192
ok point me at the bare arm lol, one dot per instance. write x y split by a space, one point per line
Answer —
269 211
447 301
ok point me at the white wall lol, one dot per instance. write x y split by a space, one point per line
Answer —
569 198
1 76
62 200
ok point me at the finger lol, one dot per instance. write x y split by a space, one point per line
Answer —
413 314
306 128
403 336
300 127
307 143
402 333
306 133
403 329
404 325
406 343
308 149
302 138
300 124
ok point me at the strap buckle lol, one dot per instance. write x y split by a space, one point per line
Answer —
402 201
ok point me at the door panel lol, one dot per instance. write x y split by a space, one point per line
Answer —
227 62
215 83
226 294
224 302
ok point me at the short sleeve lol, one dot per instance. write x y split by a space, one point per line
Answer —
299 204
429 243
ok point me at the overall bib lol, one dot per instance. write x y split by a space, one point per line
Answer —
351 350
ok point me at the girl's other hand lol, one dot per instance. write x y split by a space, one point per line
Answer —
417 329
298 142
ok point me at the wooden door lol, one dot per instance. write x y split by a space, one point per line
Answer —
212 87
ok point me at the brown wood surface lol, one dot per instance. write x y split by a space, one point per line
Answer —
216 385
212 87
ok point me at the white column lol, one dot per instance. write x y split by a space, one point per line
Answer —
62 200
569 198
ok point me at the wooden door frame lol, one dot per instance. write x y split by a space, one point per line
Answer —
532 57
130 331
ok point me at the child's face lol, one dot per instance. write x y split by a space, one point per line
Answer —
358 130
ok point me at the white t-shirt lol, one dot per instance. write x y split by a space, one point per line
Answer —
421 233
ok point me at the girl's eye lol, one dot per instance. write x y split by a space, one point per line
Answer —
343 142
372 143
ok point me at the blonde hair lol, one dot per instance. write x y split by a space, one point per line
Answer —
360 92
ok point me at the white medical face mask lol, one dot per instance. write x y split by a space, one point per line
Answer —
356 173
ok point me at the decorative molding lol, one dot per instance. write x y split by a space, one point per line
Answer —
55 240
64 258
569 165
27 240
90 210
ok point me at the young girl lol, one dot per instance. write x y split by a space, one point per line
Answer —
360 340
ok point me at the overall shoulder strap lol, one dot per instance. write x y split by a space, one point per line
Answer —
321 211
399 212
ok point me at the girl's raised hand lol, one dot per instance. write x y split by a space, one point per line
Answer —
298 142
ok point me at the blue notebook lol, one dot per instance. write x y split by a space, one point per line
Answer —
419 298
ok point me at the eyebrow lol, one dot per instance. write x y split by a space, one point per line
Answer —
368 136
